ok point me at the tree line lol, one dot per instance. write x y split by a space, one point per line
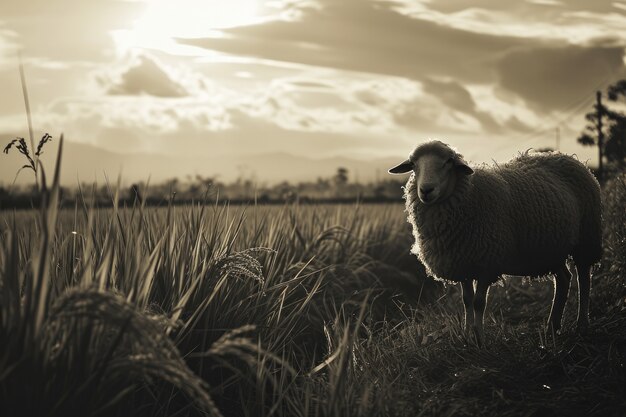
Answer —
335 189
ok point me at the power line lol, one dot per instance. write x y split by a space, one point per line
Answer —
571 110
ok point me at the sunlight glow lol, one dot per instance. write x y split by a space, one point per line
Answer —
165 20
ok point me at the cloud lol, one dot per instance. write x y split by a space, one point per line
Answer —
446 106
145 77
8 46
553 78
413 107
87 118
192 128
322 105
453 41
556 22
546 2
381 105
456 97
329 102
367 36
330 112
451 6
515 124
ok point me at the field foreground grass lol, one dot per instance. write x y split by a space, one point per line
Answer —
286 311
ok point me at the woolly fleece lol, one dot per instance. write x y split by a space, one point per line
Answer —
521 218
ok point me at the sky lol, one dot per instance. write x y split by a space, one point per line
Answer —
242 87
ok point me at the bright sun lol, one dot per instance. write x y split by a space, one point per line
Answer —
165 20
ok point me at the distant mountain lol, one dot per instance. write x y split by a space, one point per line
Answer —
88 163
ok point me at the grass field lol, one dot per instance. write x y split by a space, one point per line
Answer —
283 311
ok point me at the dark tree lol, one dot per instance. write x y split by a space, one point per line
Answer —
341 177
606 128
615 148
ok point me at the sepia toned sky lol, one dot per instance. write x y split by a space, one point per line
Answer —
246 80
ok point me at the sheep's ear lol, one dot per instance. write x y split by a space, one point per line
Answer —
461 166
402 168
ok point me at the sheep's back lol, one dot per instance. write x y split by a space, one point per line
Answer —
553 200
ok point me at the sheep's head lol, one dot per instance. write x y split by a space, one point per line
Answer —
437 168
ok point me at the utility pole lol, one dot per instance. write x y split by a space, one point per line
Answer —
558 138
599 115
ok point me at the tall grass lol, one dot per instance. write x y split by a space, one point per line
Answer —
279 311
178 309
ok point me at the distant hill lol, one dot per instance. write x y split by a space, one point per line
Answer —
88 163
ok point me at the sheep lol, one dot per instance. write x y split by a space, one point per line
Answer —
523 218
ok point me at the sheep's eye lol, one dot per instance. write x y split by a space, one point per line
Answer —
448 162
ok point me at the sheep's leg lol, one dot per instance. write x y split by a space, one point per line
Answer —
468 303
584 286
561 288
480 302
